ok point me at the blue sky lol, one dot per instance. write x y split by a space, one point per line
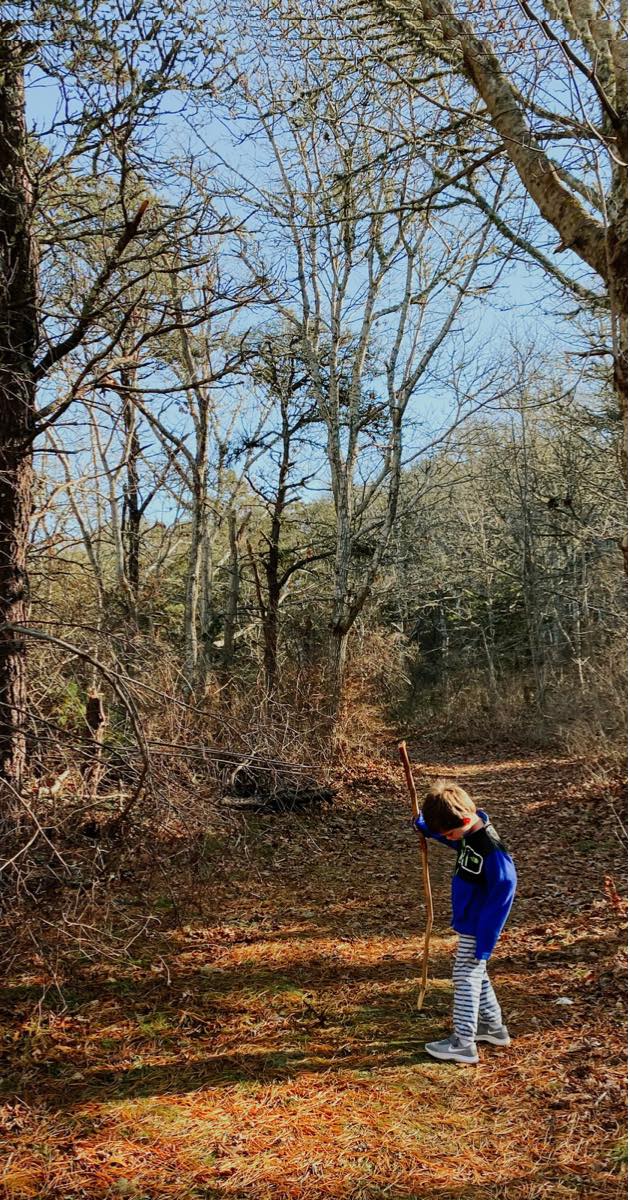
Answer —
522 305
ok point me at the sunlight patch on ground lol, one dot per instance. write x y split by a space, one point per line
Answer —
254 1055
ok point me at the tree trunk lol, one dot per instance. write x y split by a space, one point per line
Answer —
488 646
96 721
270 638
193 585
198 535
18 343
530 571
231 603
602 245
208 619
445 652
340 620
618 290
272 564
132 509
337 660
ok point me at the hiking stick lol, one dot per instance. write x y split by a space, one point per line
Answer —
426 879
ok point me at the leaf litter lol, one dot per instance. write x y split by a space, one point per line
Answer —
269 1045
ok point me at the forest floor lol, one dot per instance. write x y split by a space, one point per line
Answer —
267 1045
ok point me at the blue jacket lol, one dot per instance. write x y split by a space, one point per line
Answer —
483 884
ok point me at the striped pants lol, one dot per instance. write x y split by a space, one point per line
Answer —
473 993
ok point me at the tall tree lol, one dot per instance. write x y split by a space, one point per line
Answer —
73 199
373 290
553 84
19 335
283 476
195 422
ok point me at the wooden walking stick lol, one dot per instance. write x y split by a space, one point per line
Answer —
426 879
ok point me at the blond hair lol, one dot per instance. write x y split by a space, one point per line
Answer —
445 805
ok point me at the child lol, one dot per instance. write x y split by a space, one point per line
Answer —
483 889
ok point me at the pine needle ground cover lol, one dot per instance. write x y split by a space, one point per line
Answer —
267 1044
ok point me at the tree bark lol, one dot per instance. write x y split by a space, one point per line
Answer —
270 637
272 563
338 653
231 603
132 506
618 290
193 587
530 572
602 245
18 344
96 720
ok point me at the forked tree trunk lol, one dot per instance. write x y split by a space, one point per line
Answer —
18 342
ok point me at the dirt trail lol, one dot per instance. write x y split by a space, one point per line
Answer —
272 1048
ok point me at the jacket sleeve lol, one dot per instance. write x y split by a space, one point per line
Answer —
421 824
501 884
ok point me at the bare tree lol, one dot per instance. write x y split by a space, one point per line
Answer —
553 85
286 472
518 524
73 198
19 334
373 294
201 362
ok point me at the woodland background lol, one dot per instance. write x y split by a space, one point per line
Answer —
312 423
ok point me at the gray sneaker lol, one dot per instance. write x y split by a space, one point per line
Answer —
453 1050
496 1035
